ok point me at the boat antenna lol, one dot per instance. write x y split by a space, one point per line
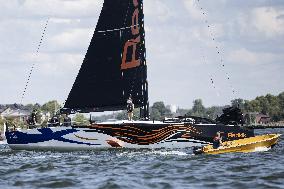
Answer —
33 65
217 49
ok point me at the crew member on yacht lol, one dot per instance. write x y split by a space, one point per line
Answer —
130 108
217 141
32 118
54 121
66 120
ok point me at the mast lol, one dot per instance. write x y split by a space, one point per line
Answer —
144 110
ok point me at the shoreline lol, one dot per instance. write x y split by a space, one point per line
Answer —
264 126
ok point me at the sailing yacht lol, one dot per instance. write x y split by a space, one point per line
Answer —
113 69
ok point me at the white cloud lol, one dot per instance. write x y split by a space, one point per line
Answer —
61 8
244 56
63 20
261 22
157 9
72 39
266 20
193 9
54 63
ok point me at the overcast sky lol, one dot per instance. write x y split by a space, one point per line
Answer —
182 56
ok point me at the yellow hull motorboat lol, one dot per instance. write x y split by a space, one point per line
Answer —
244 145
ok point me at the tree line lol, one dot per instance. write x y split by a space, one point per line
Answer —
52 107
159 111
271 105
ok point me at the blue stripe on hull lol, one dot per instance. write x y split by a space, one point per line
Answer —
18 137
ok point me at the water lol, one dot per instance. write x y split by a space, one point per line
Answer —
122 168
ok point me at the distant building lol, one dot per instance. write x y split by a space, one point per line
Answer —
173 108
20 115
176 111
256 118
172 111
262 119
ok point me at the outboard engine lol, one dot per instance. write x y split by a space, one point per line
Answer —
231 116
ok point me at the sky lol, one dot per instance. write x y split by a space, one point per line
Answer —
183 38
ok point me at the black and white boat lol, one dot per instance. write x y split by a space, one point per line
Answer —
113 69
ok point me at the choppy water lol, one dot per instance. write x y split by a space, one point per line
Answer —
142 169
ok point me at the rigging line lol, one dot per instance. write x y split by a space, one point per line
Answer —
218 49
117 29
126 15
138 69
132 83
33 65
125 27
212 80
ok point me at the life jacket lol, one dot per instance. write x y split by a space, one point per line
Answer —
129 107
216 142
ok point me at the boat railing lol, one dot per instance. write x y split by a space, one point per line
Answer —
189 119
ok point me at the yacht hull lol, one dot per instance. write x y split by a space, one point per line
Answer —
122 135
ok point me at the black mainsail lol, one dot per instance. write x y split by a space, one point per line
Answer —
115 66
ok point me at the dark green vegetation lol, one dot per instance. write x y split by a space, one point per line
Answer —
52 107
80 119
272 105
42 112
269 105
